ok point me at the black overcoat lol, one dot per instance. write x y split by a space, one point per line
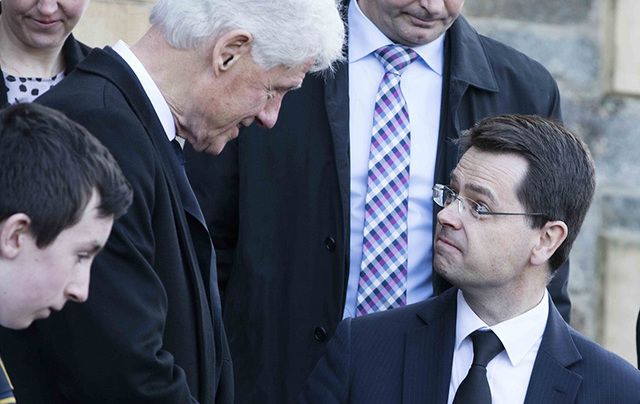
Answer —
151 330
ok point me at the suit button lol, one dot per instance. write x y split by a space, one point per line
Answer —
320 334
330 243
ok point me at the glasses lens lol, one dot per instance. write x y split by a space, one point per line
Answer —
449 196
437 194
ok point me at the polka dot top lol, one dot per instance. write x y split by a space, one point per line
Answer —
27 89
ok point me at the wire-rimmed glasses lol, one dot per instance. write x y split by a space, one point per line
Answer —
444 196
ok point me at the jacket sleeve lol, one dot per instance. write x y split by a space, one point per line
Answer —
329 381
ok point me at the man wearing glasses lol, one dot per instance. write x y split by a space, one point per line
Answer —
509 216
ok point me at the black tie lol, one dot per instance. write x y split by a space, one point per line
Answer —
189 200
475 387
177 149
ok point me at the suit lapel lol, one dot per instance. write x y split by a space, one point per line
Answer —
429 354
551 381
468 63
336 99
465 64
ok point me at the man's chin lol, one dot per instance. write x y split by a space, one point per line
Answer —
25 322
217 142
444 269
214 149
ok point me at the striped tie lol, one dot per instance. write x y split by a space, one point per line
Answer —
383 271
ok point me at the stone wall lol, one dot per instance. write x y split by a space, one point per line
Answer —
589 46
107 21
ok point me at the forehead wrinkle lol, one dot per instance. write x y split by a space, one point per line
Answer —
479 189
453 177
486 173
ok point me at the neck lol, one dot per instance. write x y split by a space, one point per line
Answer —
18 59
164 63
495 305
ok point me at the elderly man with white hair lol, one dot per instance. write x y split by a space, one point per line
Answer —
151 331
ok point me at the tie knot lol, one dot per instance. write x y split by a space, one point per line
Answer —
395 58
486 345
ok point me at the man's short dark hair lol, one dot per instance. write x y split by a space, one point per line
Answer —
560 179
49 168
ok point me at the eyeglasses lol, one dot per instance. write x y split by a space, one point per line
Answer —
444 196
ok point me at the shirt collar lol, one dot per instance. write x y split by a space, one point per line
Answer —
158 102
365 38
518 334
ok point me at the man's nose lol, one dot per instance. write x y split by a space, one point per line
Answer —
78 289
269 114
450 215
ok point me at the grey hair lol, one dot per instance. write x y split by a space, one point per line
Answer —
285 32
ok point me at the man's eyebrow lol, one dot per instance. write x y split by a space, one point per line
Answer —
478 189
475 188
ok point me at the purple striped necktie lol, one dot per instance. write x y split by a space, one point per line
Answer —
383 270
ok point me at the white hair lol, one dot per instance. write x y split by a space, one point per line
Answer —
285 32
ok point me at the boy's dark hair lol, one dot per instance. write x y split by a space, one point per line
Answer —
560 179
49 168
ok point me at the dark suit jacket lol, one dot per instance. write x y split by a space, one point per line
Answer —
405 356
151 330
73 52
281 223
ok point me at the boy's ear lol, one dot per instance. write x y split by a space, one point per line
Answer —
13 231
229 48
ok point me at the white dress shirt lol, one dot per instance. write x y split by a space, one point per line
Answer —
421 86
509 372
152 91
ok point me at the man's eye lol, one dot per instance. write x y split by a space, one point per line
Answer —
481 208
449 197
271 94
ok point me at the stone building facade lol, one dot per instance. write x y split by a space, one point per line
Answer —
590 48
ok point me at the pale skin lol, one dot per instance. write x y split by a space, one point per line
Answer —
225 89
32 33
499 262
36 281
412 22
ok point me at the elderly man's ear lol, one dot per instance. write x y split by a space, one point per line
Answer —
551 237
12 231
229 48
